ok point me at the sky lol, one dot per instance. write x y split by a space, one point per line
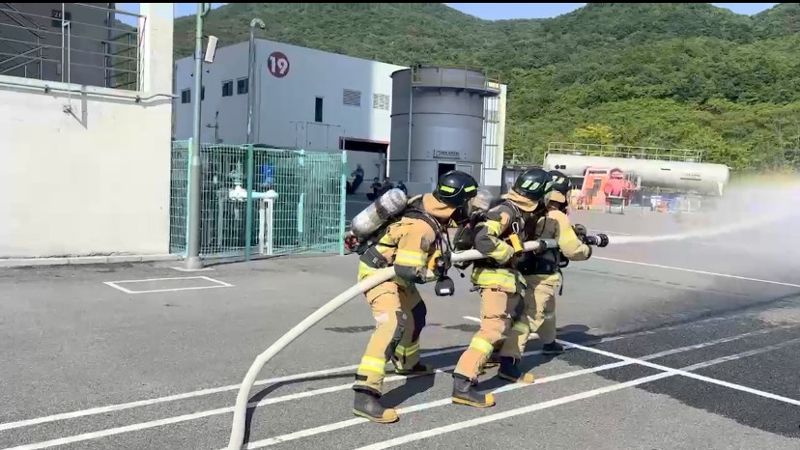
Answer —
492 11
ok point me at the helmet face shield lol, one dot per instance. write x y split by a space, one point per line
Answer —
560 182
456 188
533 184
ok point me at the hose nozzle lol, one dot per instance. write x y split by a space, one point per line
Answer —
599 240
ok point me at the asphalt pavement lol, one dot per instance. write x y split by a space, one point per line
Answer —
679 344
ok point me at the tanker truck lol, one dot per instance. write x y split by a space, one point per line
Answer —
682 176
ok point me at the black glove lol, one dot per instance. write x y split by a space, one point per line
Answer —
443 264
603 240
580 230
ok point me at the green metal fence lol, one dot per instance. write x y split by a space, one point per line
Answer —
308 212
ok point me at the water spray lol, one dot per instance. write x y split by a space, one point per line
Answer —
703 233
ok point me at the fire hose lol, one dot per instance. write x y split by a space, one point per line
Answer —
381 275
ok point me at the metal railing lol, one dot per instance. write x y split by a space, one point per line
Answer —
75 43
260 201
474 78
624 151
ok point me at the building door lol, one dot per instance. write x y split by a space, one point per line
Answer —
445 167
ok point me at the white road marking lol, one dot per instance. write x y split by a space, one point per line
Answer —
188 395
267 381
218 284
510 387
701 272
695 376
305 433
564 400
184 269
420 407
511 413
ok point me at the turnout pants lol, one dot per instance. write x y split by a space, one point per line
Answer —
498 308
399 314
540 311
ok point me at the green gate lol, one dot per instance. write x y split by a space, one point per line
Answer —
308 207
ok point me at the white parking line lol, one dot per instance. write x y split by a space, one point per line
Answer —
218 284
305 433
421 407
232 387
695 376
701 272
567 399
188 395
511 387
511 413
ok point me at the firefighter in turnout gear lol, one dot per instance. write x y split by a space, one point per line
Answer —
501 287
543 272
414 244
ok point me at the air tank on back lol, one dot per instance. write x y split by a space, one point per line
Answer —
446 108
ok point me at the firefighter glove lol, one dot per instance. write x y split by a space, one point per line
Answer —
580 230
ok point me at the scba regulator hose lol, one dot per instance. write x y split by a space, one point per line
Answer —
240 410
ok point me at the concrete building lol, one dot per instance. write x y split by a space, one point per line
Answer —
90 41
314 100
85 170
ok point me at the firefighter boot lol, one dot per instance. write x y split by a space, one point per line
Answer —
493 361
419 369
464 393
553 348
509 371
368 405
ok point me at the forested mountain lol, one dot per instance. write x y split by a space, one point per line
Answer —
686 75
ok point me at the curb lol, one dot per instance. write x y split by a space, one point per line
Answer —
38 262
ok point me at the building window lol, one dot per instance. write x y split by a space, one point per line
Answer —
350 97
318 110
241 86
227 88
380 101
202 93
186 96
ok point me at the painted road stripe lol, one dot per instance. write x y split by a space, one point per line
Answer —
701 272
217 284
512 387
267 381
695 376
188 395
564 400
304 433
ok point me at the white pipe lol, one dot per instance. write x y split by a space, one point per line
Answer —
240 410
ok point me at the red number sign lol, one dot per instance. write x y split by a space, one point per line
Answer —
278 64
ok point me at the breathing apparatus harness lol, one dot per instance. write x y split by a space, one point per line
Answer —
369 254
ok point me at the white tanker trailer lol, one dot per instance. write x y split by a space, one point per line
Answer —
689 177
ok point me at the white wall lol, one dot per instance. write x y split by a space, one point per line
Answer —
284 109
94 181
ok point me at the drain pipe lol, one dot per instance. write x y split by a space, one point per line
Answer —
240 410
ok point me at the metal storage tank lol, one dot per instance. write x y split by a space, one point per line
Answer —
446 120
703 178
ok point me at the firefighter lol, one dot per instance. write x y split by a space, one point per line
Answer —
501 288
412 244
543 272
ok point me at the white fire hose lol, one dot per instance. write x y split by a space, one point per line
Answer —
240 410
